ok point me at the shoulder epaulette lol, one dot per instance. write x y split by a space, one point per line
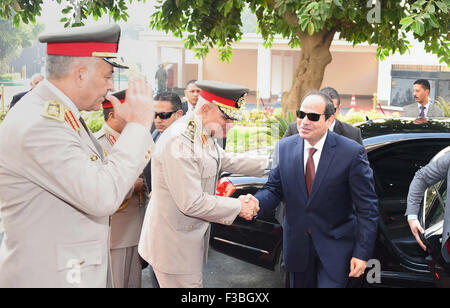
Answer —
190 130
53 110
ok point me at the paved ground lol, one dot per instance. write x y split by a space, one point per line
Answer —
223 271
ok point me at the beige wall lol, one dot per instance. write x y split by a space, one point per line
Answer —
191 73
352 73
349 72
241 70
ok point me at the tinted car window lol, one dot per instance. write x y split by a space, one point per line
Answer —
394 167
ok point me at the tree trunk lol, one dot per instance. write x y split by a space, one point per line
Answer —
314 57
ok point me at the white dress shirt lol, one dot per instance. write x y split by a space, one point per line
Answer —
331 129
427 106
316 157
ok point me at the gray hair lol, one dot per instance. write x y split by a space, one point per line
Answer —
58 67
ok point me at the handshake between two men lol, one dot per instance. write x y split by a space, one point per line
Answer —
249 206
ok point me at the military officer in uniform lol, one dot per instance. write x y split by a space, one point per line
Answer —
126 223
185 169
57 189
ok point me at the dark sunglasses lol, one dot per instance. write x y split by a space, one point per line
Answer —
164 115
311 116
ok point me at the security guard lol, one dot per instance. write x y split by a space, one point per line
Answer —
185 169
57 189
126 223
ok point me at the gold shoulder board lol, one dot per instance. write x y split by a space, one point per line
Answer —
53 110
190 130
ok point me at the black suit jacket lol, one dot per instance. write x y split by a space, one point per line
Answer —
340 128
16 98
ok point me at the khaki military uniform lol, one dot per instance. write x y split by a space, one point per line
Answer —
126 227
57 192
185 169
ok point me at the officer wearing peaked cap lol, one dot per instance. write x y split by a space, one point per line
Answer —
57 188
185 169
126 223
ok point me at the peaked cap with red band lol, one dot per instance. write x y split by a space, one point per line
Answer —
228 97
98 41
120 96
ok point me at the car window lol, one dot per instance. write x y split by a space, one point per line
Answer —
394 167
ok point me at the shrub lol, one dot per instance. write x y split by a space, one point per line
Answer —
9 76
444 105
94 120
352 116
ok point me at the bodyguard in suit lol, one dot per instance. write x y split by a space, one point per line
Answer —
168 109
185 169
429 175
126 223
57 188
340 128
331 206
35 79
424 107
191 93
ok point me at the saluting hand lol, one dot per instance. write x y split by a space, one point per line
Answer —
138 106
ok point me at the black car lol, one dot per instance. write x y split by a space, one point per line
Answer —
396 149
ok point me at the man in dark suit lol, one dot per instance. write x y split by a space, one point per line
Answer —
191 94
35 79
337 126
167 111
331 215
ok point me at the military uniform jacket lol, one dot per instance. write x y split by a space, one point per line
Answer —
127 223
185 168
57 192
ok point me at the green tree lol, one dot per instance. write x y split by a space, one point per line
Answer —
311 25
13 40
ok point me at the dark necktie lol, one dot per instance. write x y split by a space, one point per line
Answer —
310 170
422 112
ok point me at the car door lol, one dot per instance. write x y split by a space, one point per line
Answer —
433 220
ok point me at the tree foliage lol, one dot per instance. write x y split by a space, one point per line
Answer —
204 24
13 40
383 22
312 25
